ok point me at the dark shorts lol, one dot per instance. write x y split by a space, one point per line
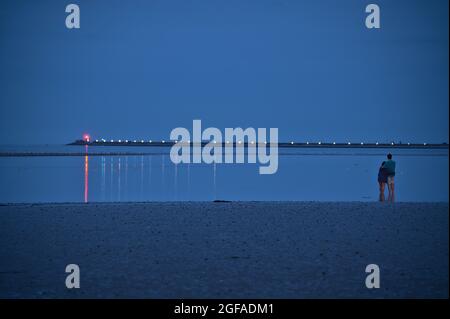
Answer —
382 179
382 176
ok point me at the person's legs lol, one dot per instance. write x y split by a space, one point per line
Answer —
391 188
392 191
381 197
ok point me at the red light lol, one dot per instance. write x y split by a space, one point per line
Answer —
86 138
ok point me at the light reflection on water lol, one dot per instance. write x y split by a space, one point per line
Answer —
342 176
86 178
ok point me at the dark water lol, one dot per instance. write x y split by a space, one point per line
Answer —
303 174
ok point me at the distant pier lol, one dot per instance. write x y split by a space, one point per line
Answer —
254 144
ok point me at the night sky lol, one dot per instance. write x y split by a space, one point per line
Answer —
138 69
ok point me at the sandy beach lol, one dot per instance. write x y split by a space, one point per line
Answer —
224 250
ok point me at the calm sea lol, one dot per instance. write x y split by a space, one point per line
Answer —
303 175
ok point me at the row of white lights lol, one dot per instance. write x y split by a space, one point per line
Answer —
125 141
239 142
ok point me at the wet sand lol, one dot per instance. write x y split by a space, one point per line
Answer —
224 250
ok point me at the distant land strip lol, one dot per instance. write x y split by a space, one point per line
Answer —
290 145
280 145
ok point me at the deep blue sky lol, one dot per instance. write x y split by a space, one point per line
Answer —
137 69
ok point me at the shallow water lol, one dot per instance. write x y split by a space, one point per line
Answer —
303 175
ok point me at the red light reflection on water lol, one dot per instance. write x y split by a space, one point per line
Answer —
86 178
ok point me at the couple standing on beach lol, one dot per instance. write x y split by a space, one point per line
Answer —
386 175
